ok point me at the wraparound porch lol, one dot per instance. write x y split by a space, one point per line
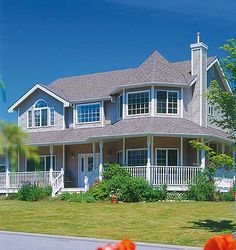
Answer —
159 160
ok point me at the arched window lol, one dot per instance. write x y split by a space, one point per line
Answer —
40 104
41 115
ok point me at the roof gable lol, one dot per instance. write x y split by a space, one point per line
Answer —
32 90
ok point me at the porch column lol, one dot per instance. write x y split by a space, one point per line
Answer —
222 148
123 151
203 156
18 160
94 155
148 172
181 151
51 164
152 151
100 159
63 157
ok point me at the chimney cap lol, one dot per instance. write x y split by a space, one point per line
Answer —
198 37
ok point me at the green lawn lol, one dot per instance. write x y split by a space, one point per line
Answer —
182 223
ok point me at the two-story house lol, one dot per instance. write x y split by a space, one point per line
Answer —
142 118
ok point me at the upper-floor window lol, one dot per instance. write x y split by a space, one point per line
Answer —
88 113
40 115
120 106
211 110
138 102
167 102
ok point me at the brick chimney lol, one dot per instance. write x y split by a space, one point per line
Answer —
199 69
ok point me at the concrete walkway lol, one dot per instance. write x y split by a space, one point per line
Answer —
27 241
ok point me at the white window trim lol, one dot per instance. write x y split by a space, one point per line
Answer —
127 103
44 156
178 103
33 118
87 104
133 149
177 149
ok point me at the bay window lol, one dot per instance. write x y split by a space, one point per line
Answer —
167 102
88 113
120 106
138 102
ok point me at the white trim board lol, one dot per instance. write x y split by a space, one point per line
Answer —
37 86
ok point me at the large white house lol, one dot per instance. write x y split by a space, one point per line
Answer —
142 118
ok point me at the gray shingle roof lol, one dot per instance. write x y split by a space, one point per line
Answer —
99 86
128 127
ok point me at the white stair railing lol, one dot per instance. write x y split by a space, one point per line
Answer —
57 183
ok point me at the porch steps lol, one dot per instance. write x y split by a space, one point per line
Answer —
72 190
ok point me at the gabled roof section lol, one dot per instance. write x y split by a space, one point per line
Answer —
156 69
43 88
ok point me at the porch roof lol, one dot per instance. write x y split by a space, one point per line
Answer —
136 127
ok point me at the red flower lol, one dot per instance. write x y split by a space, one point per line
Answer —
123 245
221 242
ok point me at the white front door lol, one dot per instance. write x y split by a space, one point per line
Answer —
86 167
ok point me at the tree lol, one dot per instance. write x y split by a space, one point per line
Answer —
225 102
13 140
214 160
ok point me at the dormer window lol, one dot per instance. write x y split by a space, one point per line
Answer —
88 113
41 115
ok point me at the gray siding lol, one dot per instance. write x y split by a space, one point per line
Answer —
110 110
212 75
52 102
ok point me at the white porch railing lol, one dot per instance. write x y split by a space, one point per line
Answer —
12 181
173 175
169 175
137 172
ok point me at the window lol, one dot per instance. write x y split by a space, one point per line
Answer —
30 121
2 164
211 110
42 165
88 113
90 164
52 116
137 157
41 115
138 103
166 157
167 102
120 106
119 156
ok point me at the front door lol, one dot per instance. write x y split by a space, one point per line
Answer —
86 167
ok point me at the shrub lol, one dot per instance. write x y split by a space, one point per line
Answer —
112 170
81 197
203 190
118 181
33 193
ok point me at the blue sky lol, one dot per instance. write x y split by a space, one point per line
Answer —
42 40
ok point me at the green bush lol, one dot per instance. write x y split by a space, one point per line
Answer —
81 197
112 170
203 190
128 189
33 193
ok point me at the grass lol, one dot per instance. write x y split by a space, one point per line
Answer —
180 223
